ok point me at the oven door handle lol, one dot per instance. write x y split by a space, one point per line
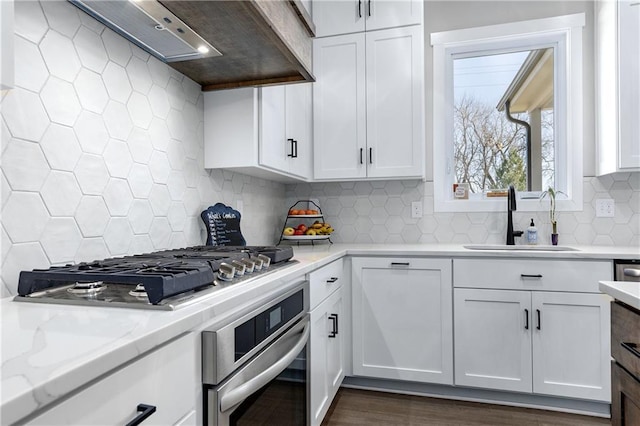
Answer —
242 392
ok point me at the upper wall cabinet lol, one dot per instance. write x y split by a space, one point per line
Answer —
264 132
617 86
368 102
6 44
351 16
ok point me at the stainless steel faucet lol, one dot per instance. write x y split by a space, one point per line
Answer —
511 207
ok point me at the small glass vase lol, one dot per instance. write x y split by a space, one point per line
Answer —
554 239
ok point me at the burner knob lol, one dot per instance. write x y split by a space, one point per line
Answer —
226 272
240 268
249 265
257 262
266 261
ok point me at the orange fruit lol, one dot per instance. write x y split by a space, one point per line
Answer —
309 212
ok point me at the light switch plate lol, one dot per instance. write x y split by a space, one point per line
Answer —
605 208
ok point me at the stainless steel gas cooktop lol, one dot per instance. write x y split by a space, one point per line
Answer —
159 280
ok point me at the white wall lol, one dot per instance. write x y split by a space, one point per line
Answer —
102 150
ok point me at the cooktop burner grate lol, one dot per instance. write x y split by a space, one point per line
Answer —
161 274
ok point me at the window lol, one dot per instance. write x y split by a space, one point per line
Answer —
508 110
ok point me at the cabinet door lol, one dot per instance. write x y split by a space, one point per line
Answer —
387 14
335 359
339 107
493 339
571 345
402 319
299 122
629 84
326 355
334 17
168 378
274 146
395 103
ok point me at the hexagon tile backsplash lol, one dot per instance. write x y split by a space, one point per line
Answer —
102 156
102 150
380 212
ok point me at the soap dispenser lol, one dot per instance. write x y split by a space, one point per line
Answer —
532 233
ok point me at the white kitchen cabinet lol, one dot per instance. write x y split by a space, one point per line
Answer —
617 86
326 359
351 16
536 336
368 105
328 323
7 61
264 132
167 378
402 319
492 344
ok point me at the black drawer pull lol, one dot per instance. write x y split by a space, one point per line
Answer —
359 8
370 155
631 347
332 280
400 264
526 319
334 325
530 276
292 155
145 411
361 149
539 326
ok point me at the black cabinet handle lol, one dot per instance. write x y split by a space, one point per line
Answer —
530 276
332 280
526 319
370 155
360 155
292 152
369 7
400 264
295 145
334 325
359 8
145 411
539 323
631 347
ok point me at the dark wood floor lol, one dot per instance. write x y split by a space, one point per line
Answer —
357 407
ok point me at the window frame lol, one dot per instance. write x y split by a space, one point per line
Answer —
564 33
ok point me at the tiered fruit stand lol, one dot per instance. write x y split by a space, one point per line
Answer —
303 208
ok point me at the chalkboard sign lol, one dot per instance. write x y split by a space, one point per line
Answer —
223 226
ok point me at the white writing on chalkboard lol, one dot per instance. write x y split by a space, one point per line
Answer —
223 226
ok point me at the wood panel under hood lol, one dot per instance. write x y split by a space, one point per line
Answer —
261 41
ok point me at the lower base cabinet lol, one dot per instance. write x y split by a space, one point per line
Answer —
327 354
550 343
167 379
402 319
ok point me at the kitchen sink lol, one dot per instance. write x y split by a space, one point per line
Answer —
518 248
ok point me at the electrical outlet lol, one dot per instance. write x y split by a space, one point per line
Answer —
416 209
605 208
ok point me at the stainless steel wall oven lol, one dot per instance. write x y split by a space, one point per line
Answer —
254 368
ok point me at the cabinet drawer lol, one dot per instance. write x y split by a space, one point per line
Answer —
625 337
580 276
167 378
324 281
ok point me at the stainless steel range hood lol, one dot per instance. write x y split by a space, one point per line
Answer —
150 25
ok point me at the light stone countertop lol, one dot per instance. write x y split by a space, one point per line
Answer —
50 350
624 291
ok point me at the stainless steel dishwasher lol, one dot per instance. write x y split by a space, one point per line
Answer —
626 270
